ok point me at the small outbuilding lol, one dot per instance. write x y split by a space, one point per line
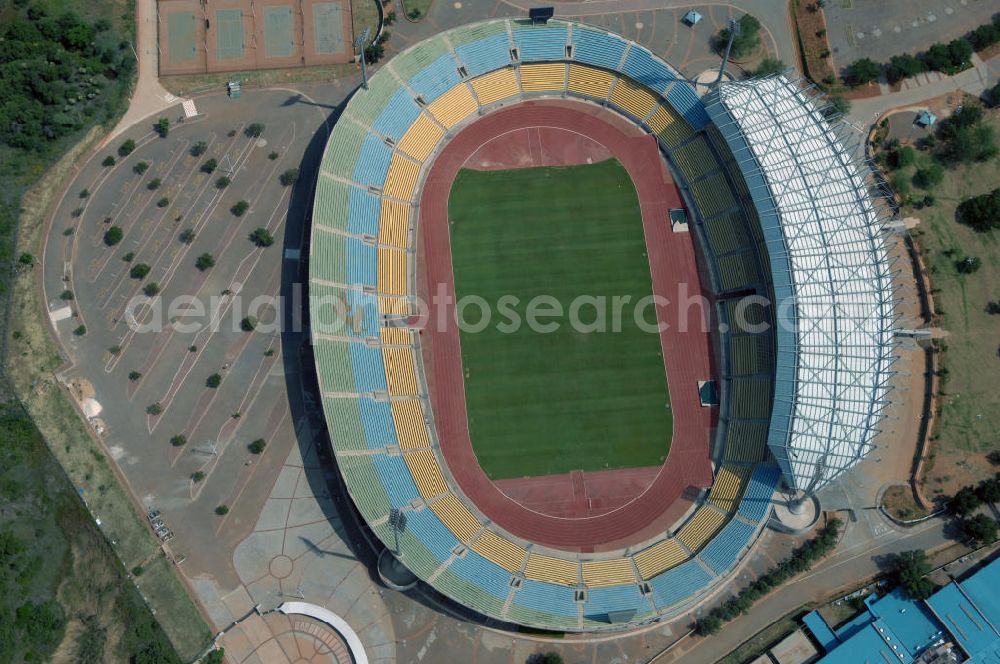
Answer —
692 18
925 118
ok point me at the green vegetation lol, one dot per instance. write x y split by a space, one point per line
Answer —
254 130
80 330
769 66
59 577
134 376
108 161
213 381
222 510
180 440
272 156
199 149
66 295
154 409
239 208
801 560
139 271
222 182
187 236
197 476
909 570
126 148
113 236
289 177
982 212
747 40
257 446
538 402
154 184
151 289
248 324
262 237
140 168
863 71
209 166
162 127
163 202
204 262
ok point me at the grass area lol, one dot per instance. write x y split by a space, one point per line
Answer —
899 501
969 402
188 84
59 577
549 402
813 42
364 14
762 641
412 6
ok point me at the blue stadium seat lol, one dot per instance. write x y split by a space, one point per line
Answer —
362 316
684 99
373 162
679 583
722 552
363 212
597 48
756 501
483 573
369 369
376 420
546 597
485 55
435 535
396 479
362 263
641 66
535 44
397 116
600 601
436 78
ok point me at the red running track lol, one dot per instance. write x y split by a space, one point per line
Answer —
686 352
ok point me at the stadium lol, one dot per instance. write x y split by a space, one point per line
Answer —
591 482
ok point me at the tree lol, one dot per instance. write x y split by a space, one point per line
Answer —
163 202
746 41
180 440
187 236
162 127
994 95
981 212
222 510
139 271
134 376
545 658
248 324
222 182
199 149
126 148
289 177
80 330
154 184
375 52
154 409
213 381
254 130
152 289
217 656
239 208
930 177
910 569
66 295
197 476
128 256
904 66
26 259
902 157
863 71
108 161
204 262
708 625
964 502
113 236
989 491
769 66
262 238
257 446
980 528
209 166
969 265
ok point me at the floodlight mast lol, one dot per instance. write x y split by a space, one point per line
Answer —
734 29
359 46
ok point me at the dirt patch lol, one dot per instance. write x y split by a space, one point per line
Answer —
810 22
900 502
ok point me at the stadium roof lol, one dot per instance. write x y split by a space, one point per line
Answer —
831 276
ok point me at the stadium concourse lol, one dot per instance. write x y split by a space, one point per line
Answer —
363 246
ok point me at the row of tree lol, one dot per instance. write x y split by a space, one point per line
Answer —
801 560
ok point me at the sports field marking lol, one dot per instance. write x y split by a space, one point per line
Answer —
328 28
548 403
229 34
181 37
278 42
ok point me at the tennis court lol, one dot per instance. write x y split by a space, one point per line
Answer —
278 38
229 42
328 28
183 30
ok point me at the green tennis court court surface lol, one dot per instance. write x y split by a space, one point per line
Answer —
278 32
546 403
181 36
229 31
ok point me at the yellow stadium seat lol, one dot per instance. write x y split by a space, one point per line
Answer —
548 77
553 570
401 375
401 179
660 557
635 99
454 106
420 139
496 85
426 473
614 572
394 224
456 517
589 81
700 528
411 428
391 271
728 487
502 551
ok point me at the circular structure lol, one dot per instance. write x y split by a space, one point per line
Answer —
580 550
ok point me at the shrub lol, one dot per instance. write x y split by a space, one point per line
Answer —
126 148
134 376
66 295
137 570
222 510
199 148
162 127
984 36
209 166
415 14
222 182
154 409
76 212
27 259
769 66
68 232
163 202
80 330
180 440
113 236
115 350
390 18
289 177
375 52
128 257
231 133
152 289
969 265
204 262
272 156
187 236
927 178
981 212
746 40
139 271
248 324
192 349
904 66
964 502
197 476
257 446
217 656
154 184
981 529
254 130
108 161
213 381
863 71
239 208
261 237
902 157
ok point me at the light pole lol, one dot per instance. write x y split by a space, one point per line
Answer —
398 522
734 29
359 46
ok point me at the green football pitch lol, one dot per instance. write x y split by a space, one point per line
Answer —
542 403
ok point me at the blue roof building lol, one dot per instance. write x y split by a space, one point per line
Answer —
959 623
692 18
